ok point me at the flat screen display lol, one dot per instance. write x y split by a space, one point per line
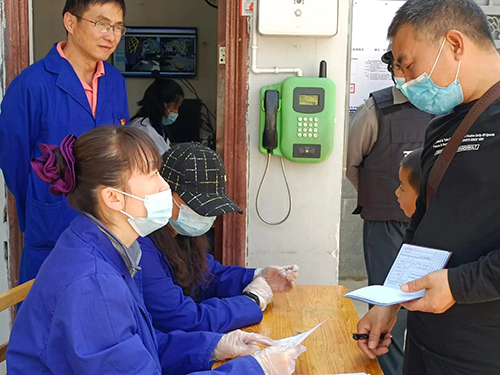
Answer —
172 52
308 99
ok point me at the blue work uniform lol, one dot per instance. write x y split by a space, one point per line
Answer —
85 315
45 103
171 309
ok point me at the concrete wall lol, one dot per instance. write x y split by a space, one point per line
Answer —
48 29
310 237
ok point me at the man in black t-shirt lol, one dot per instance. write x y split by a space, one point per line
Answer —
449 60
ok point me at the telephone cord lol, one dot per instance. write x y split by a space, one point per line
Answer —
287 188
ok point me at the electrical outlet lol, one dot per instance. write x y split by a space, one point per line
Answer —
222 55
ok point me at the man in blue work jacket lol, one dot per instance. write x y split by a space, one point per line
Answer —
70 91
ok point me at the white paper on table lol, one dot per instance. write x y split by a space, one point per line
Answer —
296 340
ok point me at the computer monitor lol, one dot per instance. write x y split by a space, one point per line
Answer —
169 51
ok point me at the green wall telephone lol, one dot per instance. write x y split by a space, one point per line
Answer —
297 118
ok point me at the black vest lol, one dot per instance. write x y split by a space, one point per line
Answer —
401 128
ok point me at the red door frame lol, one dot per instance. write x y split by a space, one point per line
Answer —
232 104
16 43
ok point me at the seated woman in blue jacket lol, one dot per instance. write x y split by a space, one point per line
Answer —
84 313
184 287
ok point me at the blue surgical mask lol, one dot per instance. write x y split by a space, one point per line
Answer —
424 94
190 224
400 81
170 119
159 208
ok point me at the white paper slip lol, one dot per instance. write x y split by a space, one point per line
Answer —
412 262
296 340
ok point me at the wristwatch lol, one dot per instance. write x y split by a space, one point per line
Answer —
253 296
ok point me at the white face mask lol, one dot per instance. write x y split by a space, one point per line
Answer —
159 208
190 224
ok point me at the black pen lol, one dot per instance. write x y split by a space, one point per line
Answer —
365 336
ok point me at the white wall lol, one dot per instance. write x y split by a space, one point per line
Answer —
48 29
310 237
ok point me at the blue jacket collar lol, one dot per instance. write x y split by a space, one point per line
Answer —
68 81
88 232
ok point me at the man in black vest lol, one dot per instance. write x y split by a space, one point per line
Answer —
449 60
382 131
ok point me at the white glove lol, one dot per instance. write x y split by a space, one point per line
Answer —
280 279
279 360
239 343
261 288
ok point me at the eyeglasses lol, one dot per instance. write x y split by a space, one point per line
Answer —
104 28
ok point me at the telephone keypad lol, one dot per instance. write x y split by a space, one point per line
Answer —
307 127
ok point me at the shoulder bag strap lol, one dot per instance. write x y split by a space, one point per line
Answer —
444 159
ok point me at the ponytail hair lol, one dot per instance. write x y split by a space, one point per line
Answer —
104 156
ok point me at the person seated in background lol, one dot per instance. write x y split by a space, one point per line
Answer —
84 313
410 173
184 287
159 108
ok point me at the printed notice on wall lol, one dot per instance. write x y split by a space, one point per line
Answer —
246 7
371 19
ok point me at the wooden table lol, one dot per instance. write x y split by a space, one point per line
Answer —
330 349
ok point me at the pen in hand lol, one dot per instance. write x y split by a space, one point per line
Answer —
365 336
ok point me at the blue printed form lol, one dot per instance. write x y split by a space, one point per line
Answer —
412 262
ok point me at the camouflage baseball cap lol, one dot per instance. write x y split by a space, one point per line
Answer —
197 174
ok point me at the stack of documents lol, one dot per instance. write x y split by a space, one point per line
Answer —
412 262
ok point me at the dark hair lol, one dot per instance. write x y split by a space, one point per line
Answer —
431 19
79 7
411 162
188 258
107 156
161 91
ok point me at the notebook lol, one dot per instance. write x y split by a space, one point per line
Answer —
412 262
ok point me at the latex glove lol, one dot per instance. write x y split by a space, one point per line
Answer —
239 343
279 360
378 320
438 297
280 279
261 288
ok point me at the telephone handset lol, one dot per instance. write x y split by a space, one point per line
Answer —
297 119
271 105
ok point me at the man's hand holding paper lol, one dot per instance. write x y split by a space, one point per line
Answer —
438 297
